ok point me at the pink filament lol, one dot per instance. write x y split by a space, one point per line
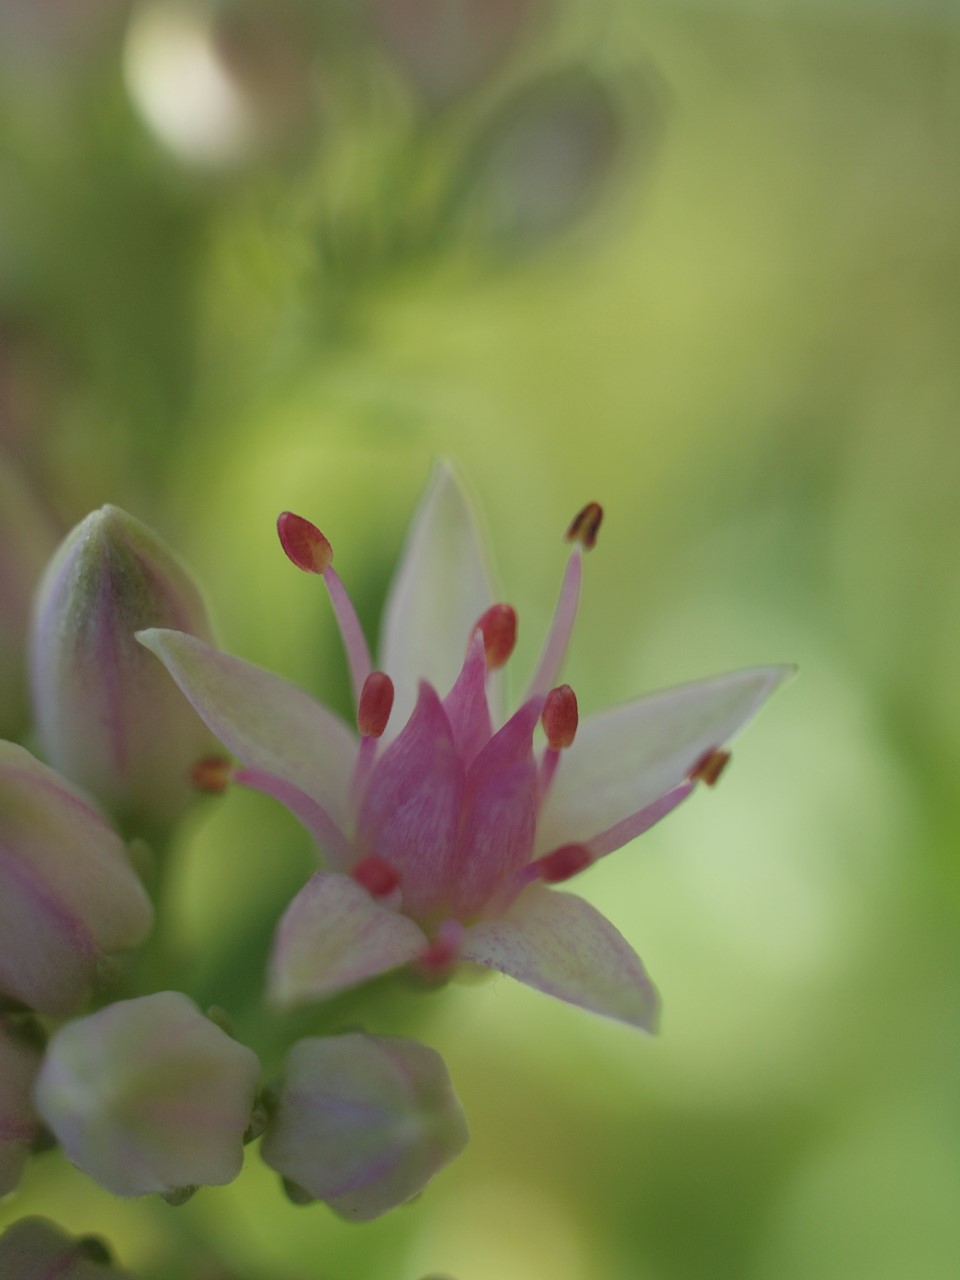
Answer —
558 637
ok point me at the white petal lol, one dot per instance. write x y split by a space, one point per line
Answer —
559 944
268 724
333 936
625 758
440 589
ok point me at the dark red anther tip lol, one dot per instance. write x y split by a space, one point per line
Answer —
585 526
560 717
376 876
305 545
710 766
563 863
211 774
376 703
498 626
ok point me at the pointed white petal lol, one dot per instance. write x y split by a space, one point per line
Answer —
268 724
334 936
559 944
440 589
623 759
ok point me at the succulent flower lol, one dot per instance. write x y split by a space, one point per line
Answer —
149 1095
362 1122
106 717
19 1123
35 1249
68 894
444 828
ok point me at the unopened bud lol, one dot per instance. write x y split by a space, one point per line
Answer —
148 1095
560 717
108 715
68 894
35 1249
376 703
304 544
19 1123
363 1122
498 626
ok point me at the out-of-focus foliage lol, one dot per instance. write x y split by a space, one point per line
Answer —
698 262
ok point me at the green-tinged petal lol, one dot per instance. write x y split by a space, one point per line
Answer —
559 944
268 724
440 589
334 936
623 759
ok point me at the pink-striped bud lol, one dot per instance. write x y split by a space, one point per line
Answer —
560 717
108 716
376 703
498 626
68 894
585 526
362 1122
304 544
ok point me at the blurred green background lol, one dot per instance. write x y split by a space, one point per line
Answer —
697 261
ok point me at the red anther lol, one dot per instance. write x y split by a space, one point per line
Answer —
498 626
585 526
303 542
563 863
211 774
442 952
560 717
710 766
376 875
376 703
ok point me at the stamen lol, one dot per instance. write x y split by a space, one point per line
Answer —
310 551
443 950
585 526
558 637
498 626
560 717
563 863
376 703
305 545
709 768
376 875
212 774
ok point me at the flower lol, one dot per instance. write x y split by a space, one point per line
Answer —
68 894
444 835
362 1122
106 718
149 1095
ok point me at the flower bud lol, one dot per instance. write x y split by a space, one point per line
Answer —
149 1095
68 894
35 1249
363 1122
19 1060
27 540
108 715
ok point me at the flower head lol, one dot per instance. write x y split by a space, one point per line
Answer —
35 1249
443 835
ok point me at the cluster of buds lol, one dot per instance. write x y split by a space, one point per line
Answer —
147 1095
444 824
